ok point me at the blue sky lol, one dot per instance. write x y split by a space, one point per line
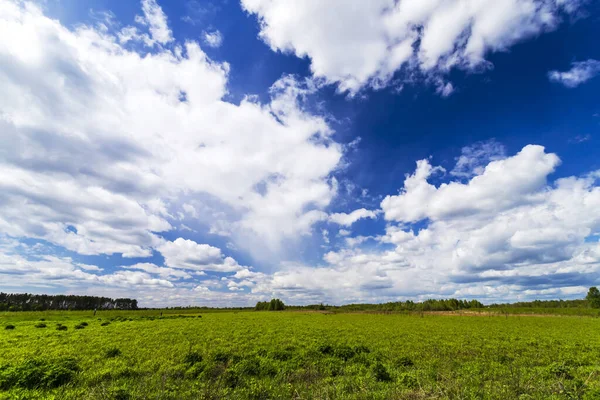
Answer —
224 152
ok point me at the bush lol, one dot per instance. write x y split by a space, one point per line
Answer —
79 326
40 325
61 328
84 324
105 323
249 367
221 356
113 352
8 327
344 352
192 358
381 373
38 374
120 394
404 361
325 349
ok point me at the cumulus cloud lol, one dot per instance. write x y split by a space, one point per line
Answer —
107 147
506 234
358 43
579 73
502 185
345 219
49 271
100 141
213 39
187 254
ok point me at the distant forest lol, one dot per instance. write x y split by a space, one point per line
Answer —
34 302
545 304
42 302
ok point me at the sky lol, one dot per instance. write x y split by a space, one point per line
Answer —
221 153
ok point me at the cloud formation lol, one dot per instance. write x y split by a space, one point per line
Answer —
579 73
213 39
356 44
100 141
505 234
115 139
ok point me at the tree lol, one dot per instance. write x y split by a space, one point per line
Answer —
593 297
273 305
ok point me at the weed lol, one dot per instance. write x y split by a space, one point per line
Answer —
61 328
192 358
381 373
112 353
40 325
9 327
404 361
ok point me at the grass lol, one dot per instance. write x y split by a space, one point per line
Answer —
298 355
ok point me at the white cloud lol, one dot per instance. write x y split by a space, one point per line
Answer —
105 148
363 43
475 157
533 242
579 73
502 185
167 273
345 219
187 254
157 22
49 271
213 39
101 143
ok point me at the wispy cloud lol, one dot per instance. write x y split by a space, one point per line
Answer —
579 73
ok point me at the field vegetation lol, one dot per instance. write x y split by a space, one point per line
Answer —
183 354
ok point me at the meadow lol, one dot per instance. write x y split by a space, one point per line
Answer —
296 355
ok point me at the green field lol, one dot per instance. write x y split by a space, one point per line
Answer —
297 355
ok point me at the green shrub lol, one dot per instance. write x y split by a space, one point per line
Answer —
344 352
105 323
112 352
404 361
192 358
40 325
360 349
560 370
249 367
84 324
9 327
79 326
409 381
61 328
221 356
231 378
34 374
325 349
120 394
381 373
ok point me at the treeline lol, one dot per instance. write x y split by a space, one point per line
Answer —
544 304
273 305
427 305
43 302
